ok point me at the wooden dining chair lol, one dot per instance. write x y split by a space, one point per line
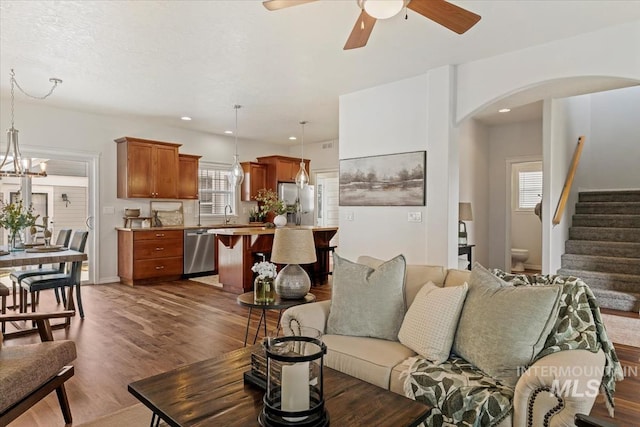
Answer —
16 276
71 279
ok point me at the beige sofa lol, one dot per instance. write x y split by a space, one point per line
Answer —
382 362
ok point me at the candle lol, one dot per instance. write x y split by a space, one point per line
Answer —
295 388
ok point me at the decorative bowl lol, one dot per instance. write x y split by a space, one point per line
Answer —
131 213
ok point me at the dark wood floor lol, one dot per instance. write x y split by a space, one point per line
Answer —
131 333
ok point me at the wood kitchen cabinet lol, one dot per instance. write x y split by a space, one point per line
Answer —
281 169
149 256
147 169
255 178
188 176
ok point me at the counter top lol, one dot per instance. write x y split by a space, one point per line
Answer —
253 231
187 227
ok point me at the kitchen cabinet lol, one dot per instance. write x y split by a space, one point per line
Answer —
255 178
147 169
188 176
282 169
149 256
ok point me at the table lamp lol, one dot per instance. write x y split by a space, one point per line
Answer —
464 214
293 246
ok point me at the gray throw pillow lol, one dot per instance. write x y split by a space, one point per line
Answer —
503 327
367 302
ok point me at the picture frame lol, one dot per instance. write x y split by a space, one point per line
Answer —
386 180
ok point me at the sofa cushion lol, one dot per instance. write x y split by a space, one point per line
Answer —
430 323
367 302
368 359
457 277
26 367
502 327
416 276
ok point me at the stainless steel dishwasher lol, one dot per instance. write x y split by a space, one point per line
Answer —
199 252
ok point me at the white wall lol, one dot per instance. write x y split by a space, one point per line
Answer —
507 143
612 149
324 154
474 184
43 127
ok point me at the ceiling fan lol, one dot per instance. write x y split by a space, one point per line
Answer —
444 13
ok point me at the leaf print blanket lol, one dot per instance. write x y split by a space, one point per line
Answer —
462 395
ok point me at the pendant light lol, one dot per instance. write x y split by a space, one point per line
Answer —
12 154
236 174
302 177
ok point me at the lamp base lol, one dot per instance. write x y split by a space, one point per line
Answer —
319 420
292 282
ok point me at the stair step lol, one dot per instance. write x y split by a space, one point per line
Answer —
610 196
614 249
605 234
610 221
621 208
601 264
624 301
602 280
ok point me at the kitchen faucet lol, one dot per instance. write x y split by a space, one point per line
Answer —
226 220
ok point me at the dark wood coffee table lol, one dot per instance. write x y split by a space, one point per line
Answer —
213 393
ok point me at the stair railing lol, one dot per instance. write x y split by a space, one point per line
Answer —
568 182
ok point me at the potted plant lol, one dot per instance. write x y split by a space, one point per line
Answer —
256 215
14 217
268 202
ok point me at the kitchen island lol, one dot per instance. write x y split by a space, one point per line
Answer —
240 248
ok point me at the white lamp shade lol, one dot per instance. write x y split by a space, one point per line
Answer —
464 211
293 246
383 9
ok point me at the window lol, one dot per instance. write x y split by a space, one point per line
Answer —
215 191
527 186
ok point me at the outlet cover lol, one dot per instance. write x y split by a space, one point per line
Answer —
414 217
349 216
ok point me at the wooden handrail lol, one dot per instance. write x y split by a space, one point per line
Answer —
568 182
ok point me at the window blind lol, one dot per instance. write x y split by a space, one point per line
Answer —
215 191
529 189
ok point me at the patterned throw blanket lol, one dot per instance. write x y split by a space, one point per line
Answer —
462 395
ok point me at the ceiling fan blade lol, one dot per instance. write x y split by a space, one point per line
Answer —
361 32
281 4
446 14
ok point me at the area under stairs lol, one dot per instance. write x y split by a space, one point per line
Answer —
604 247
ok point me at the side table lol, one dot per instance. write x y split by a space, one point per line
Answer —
466 249
246 300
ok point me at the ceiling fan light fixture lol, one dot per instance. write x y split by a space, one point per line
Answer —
382 9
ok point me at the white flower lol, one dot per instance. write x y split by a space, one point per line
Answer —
265 269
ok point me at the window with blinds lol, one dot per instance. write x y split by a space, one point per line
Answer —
526 185
214 189
529 189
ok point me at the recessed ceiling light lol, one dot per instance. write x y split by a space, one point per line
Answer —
185 118
228 132
504 110
292 138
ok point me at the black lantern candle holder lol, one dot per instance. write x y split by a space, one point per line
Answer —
294 393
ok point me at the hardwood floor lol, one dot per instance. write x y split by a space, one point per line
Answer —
131 333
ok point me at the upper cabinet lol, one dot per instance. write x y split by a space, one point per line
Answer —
281 169
188 173
147 169
255 178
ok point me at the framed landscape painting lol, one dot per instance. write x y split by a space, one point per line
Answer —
389 180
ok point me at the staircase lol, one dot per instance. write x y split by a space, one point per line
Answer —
604 247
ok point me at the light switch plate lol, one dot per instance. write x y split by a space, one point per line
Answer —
349 216
414 217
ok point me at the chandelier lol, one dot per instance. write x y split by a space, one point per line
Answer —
12 155
302 177
236 175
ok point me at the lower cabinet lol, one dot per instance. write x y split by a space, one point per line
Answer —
149 256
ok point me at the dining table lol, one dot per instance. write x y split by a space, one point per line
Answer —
38 256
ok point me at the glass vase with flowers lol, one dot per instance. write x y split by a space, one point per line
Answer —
15 217
263 286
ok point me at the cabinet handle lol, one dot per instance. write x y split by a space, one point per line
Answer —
159 249
159 234
160 267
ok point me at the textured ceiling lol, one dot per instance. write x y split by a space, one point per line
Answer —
164 59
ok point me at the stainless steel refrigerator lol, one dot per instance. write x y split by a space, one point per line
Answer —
301 201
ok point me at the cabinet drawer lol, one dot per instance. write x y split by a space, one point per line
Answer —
158 248
148 268
158 235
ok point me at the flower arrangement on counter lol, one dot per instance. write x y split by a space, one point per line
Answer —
268 202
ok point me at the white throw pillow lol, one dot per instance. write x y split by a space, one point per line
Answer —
431 322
